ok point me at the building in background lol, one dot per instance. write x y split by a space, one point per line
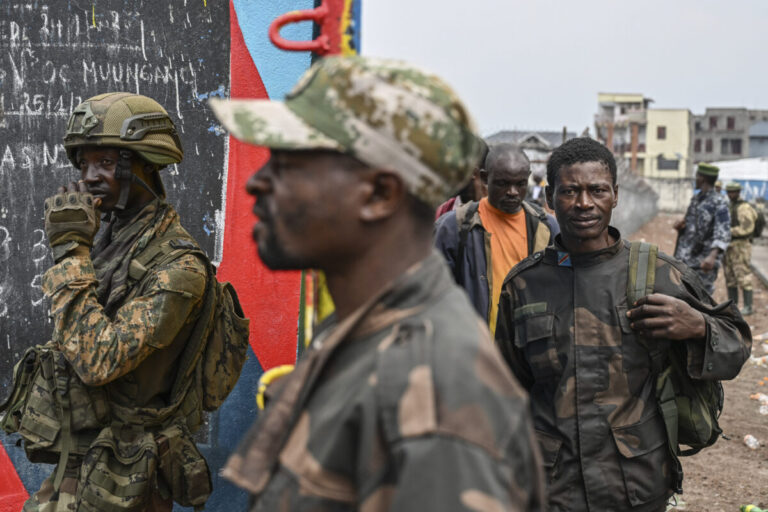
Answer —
620 124
758 139
669 145
726 133
537 146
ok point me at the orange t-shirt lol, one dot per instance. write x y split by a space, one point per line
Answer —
509 245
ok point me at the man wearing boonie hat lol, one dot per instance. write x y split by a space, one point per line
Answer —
704 233
739 253
402 403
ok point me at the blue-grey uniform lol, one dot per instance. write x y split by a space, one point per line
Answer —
707 226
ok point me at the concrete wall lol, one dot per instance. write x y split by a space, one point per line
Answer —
674 193
637 201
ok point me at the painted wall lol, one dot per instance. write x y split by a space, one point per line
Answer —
182 52
677 145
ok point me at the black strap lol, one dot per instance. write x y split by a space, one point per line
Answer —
464 217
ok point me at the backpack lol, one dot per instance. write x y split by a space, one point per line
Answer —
690 407
759 221
219 340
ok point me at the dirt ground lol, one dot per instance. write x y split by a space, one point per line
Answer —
728 474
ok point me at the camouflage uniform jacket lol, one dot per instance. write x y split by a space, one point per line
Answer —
707 225
564 331
131 343
404 405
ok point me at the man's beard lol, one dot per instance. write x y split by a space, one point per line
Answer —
274 256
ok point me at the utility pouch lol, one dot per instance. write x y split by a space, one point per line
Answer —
183 468
118 473
13 406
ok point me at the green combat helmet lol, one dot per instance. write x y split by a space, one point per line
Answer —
127 122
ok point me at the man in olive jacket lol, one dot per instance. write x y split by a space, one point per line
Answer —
403 403
572 340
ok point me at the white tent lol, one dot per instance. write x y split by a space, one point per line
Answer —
752 173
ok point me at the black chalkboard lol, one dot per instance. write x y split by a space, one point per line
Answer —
55 54
52 56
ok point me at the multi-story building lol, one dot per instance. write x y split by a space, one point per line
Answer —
725 133
669 145
620 124
537 146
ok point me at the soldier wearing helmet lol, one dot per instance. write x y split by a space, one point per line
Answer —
124 307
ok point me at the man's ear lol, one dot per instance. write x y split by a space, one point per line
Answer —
384 193
484 176
615 195
549 191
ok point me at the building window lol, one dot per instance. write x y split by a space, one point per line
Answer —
730 122
668 165
708 146
725 146
736 146
697 126
697 145
713 122
661 132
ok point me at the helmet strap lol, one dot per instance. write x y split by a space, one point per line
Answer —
126 176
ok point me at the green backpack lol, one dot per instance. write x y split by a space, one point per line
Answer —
690 407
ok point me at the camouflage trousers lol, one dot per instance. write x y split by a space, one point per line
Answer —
737 259
47 499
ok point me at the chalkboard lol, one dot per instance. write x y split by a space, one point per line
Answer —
54 55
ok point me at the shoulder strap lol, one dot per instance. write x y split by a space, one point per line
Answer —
641 275
464 215
536 210
161 250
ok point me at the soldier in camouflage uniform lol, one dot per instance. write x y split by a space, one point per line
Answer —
739 253
572 340
121 326
704 232
402 403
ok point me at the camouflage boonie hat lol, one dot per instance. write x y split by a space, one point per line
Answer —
733 186
387 114
708 170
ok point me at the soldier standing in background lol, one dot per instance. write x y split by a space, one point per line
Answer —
704 233
739 253
565 331
118 414
402 403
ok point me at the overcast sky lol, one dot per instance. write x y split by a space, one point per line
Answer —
539 64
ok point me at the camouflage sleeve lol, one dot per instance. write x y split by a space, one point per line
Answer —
747 217
505 339
102 349
721 231
728 342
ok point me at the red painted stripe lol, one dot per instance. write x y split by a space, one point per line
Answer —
270 300
12 491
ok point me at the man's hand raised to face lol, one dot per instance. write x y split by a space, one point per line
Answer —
662 316
71 219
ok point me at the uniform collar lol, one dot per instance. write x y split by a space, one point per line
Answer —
559 256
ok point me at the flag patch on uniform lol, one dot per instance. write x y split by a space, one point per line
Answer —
563 259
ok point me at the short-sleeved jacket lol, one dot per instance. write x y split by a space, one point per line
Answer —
405 405
563 329
707 226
